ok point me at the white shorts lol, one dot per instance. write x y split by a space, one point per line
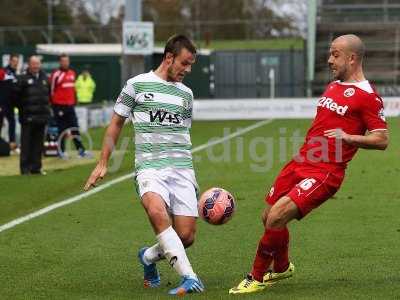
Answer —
177 187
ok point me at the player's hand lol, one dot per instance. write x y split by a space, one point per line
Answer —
338 133
98 173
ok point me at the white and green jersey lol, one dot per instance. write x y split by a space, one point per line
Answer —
162 117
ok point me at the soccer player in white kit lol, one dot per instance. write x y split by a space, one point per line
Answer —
162 110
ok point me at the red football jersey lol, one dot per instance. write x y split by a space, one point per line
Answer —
2 74
355 108
63 87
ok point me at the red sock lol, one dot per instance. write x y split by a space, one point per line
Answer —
281 254
262 260
273 245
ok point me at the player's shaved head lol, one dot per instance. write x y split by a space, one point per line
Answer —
34 59
346 56
34 64
351 43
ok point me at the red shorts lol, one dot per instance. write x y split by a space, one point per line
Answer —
308 186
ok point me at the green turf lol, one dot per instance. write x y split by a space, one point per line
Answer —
347 249
23 194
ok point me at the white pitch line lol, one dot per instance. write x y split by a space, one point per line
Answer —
231 136
95 190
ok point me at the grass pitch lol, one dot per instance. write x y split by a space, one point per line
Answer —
346 249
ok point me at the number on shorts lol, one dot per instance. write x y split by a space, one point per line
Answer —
307 183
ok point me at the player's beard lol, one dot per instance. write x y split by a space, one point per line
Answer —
340 74
172 74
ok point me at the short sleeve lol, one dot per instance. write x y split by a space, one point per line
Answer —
373 114
125 101
191 103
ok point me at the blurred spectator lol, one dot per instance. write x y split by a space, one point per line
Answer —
2 100
63 101
8 78
85 87
4 146
32 91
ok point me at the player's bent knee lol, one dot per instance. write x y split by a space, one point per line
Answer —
275 220
187 238
264 219
281 213
265 214
188 242
278 217
158 217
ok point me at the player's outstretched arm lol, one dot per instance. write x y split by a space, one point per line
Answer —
378 140
110 140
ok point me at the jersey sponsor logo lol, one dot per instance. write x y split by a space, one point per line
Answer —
161 116
349 92
145 97
332 105
148 96
185 103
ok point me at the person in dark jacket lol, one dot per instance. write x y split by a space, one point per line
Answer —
2 98
32 90
7 97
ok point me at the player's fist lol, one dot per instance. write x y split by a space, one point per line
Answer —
98 173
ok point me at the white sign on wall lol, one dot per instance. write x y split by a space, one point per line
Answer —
233 109
138 38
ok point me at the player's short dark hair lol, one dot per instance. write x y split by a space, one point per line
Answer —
12 55
62 55
178 42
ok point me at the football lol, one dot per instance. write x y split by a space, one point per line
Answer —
216 206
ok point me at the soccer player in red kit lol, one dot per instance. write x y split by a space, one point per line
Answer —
349 116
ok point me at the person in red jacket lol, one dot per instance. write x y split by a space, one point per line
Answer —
63 100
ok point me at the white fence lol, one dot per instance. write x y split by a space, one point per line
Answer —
246 109
226 109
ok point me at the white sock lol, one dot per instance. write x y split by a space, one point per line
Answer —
175 252
153 254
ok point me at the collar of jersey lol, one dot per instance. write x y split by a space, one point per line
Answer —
162 80
362 85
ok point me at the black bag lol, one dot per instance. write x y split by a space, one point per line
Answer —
4 148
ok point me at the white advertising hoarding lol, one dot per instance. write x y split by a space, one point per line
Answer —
235 109
278 108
